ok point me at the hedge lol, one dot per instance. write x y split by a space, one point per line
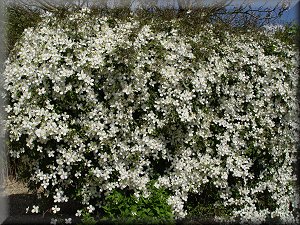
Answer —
147 116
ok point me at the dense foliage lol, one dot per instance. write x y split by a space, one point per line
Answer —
103 107
18 19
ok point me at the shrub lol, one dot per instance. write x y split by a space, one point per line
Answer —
104 106
124 207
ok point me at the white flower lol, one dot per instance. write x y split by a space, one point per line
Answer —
40 133
68 221
50 153
77 174
45 184
78 213
55 209
64 175
97 172
58 196
53 221
35 209
90 208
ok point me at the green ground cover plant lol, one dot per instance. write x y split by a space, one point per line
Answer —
148 117
125 208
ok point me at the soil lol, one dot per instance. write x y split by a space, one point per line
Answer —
19 198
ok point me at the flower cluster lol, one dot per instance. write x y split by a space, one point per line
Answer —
110 104
273 28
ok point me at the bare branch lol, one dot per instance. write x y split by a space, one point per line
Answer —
220 10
